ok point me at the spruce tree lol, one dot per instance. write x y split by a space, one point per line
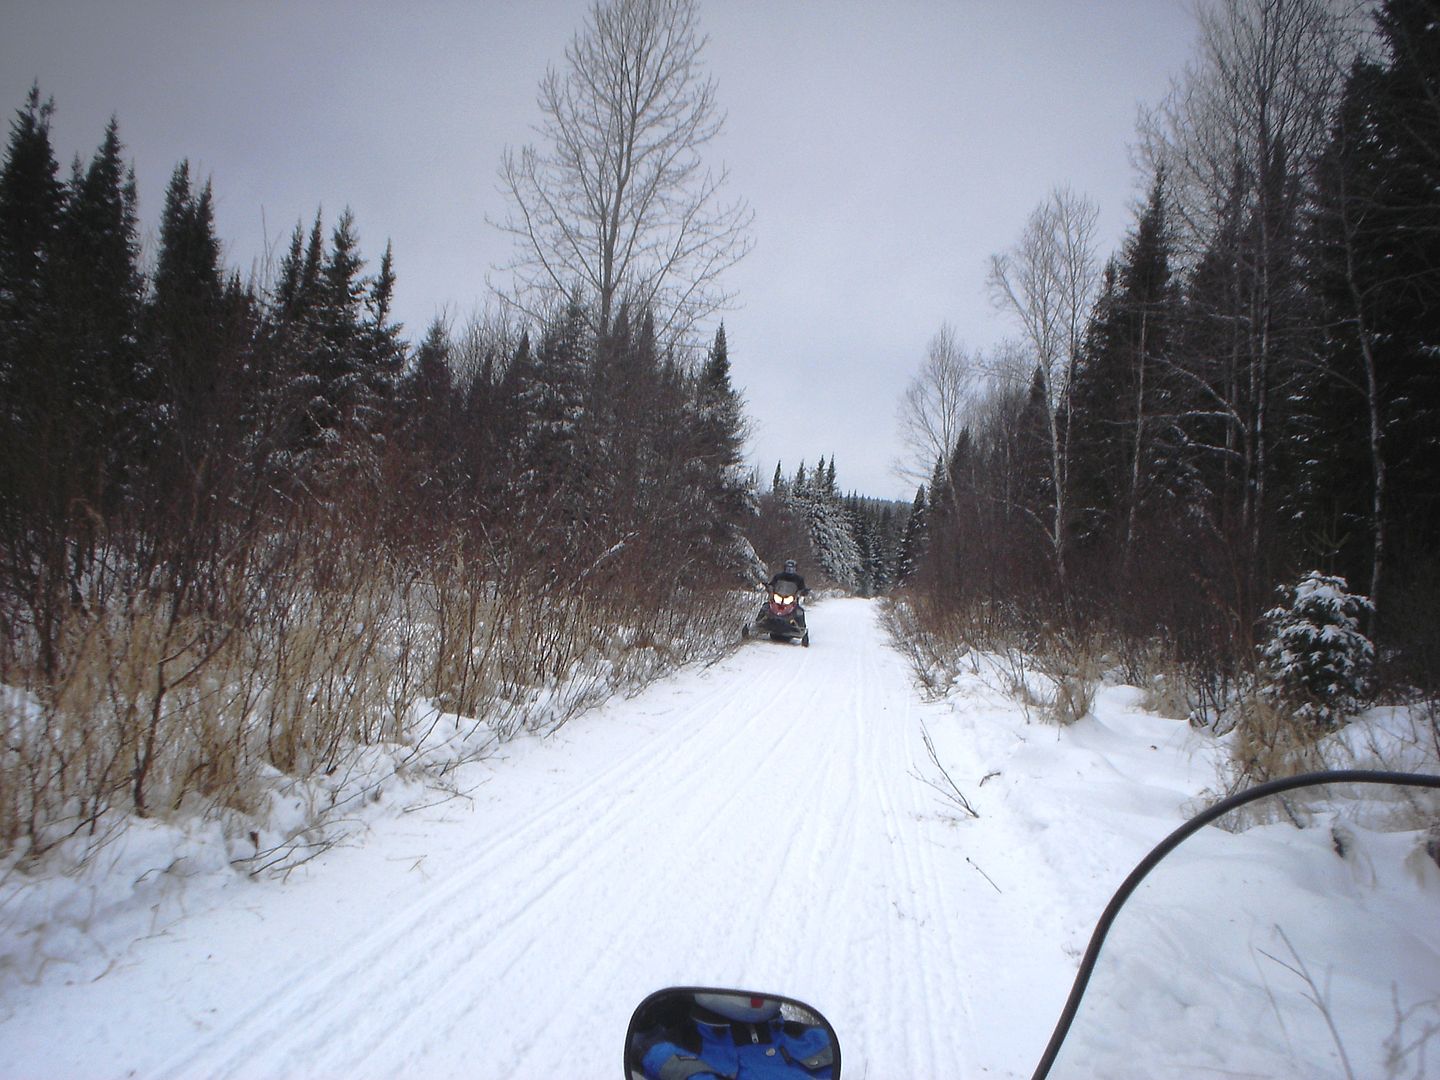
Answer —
722 479
1122 394
553 482
37 475
31 202
912 544
184 325
97 303
1376 263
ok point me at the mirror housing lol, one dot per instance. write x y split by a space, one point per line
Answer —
710 1033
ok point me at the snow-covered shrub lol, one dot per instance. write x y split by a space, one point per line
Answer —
1315 662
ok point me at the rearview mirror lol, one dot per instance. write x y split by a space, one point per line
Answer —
706 1033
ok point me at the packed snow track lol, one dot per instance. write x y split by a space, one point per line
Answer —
756 823
765 822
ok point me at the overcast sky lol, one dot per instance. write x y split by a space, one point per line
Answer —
888 150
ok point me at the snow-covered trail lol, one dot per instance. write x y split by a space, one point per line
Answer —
758 823
766 823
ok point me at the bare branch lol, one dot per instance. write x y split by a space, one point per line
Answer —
618 203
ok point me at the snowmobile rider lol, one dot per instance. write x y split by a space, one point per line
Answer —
792 577
726 1035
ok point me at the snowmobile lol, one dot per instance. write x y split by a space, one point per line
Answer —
780 616
707 1032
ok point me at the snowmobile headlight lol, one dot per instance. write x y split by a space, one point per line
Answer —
782 600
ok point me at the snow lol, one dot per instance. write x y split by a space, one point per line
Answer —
761 822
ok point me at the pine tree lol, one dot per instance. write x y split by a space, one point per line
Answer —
1376 444
97 303
31 202
1122 401
721 479
337 355
426 390
912 545
426 451
38 474
382 349
1315 661
827 524
553 483
184 325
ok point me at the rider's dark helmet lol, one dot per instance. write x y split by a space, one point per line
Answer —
789 566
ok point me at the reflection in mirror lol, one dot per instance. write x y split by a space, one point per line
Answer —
699 1032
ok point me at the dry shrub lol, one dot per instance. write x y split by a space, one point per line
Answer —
531 656
1271 741
1166 691
326 679
302 649
934 639
1074 663
156 702
939 639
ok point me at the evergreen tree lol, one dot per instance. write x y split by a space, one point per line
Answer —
721 479
382 349
1315 661
38 477
912 545
426 391
1372 498
1122 400
337 354
31 202
97 302
184 325
553 482
829 528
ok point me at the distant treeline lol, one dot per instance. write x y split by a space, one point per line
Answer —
855 542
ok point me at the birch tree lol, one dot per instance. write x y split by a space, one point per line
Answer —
1233 139
1376 271
1047 281
617 202
933 409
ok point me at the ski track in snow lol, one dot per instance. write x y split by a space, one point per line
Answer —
759 823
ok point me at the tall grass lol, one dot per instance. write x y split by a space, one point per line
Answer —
160 701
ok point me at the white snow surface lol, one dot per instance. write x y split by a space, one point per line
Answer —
766 823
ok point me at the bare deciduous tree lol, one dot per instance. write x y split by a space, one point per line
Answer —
1233 139
617 201
1048 281
1261 93
935 404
